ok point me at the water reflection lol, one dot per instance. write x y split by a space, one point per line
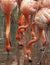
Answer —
12 61
9 61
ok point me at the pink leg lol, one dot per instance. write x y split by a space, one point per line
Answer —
32 42
8 44
44 41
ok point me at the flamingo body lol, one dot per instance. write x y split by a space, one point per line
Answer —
8 5
42 18
29 6
44 3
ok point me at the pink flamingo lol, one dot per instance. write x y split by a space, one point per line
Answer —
27 9
42 20
44 3
20 23
7 6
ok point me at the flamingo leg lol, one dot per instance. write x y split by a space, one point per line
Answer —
8 44
44 40
21 29
25 26
32 42
43 37
33 30
20 22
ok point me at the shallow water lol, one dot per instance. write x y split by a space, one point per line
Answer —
17 56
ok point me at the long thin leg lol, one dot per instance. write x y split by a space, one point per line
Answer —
33 30
44 40
34 36
32 42
20 22
22 27
25 26
8 44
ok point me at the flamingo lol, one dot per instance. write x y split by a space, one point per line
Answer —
42 18
42 21
27 9
7 6
44 3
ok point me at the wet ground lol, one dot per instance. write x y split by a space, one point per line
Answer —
17 56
